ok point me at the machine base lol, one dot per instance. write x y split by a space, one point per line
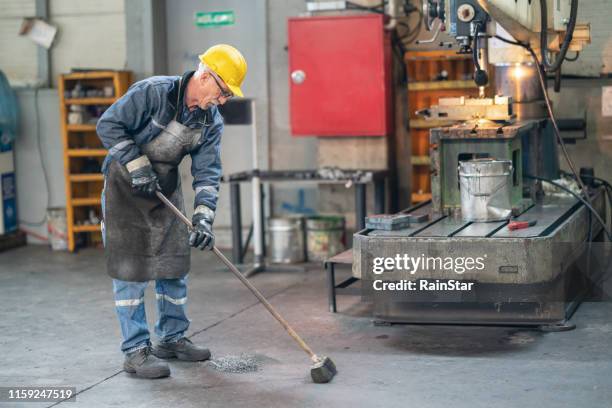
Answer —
532 277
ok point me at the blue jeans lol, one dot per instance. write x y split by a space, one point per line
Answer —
172 323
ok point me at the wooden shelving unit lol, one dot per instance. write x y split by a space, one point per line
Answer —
426 85
84 177
89 101
81 127
83 152
86 152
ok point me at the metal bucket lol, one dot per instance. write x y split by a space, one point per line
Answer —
56 225
286 241
325 236
485 189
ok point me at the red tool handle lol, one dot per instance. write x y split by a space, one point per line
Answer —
517 225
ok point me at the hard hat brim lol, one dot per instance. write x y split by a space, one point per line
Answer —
235 90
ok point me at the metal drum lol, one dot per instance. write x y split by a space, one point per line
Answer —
286 240
485 189
325 236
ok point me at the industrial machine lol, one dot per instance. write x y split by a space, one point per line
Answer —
525 264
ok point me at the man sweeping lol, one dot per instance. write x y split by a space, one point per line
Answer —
148 132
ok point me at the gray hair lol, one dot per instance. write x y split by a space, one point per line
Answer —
202 68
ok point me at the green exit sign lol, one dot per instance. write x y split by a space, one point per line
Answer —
214 18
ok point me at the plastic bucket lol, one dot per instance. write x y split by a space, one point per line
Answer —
56 225
286 240
325 236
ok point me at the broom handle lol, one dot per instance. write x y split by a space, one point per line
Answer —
244 281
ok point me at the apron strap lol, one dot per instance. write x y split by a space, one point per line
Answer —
182 84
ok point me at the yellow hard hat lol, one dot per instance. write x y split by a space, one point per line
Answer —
228 63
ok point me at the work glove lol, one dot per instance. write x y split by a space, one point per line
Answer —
201 236
144 178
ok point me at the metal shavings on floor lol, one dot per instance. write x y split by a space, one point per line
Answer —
243 363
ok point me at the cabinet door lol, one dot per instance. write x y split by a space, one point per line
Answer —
339 76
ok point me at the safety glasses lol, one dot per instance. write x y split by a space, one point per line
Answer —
224 93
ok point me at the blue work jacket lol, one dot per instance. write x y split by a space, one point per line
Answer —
141 114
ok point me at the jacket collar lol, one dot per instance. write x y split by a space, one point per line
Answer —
198 115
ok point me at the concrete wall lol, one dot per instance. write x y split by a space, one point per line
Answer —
18 59
38 148
91 34
145 22
286 152
82 26
596 58
185 41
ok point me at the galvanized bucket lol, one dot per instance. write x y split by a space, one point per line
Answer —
325 236
485 189
286 240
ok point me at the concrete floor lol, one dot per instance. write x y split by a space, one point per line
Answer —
58 327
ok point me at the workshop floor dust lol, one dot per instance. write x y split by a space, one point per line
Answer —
243 363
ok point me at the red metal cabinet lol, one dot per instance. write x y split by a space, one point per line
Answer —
340 76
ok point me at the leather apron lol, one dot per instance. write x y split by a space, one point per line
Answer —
144 240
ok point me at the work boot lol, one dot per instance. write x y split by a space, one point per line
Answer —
182 349
145 365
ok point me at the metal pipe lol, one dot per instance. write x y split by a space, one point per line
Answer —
44 54
258 251
482 43
360 205
379 196
483 50
433 38
393 14
236 222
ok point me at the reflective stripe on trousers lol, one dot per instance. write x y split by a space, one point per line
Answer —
172 323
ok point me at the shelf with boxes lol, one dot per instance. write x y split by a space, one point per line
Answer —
84 96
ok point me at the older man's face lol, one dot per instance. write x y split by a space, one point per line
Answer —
210 91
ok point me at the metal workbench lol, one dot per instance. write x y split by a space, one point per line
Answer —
531 275
359 179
